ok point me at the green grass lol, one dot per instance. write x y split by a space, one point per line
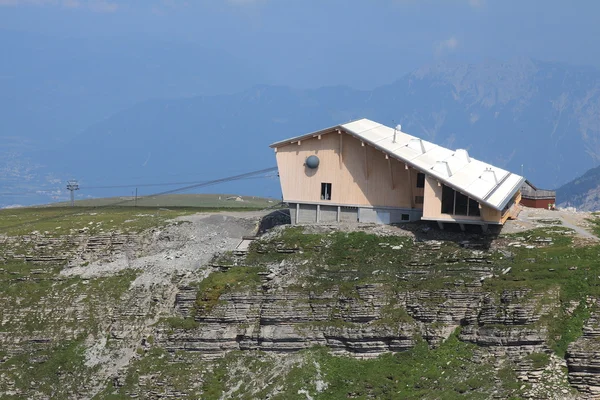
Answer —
538 360
160 372
55 372
392 314
447 372
34 300
555 275
344 261
574 270
218 283
595 221
44 299
179 200
57 221
336 259
108 214
181 323
565 328
37 302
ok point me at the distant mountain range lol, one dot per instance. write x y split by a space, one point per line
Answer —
542 116
582 192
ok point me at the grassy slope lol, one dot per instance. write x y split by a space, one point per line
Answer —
60 221
178 200
336 260
343 261
37 303
444 373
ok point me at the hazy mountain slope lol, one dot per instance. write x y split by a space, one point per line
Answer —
524 112
53 88
582 192
203 137
539 115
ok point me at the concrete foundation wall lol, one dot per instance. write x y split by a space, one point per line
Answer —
349 214
307 214
313 213
388 215
328 214
367 215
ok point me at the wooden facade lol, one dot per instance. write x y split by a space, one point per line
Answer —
356 181
359 174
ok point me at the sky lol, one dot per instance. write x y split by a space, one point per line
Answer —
314 43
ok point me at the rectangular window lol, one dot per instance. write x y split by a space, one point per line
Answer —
419 199
447 200
405 217
325 191
456 203
420 180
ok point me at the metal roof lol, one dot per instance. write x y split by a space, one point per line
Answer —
483 182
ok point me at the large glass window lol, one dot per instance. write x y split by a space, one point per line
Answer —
456 203
447 200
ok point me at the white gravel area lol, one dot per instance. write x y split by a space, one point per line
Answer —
180 248
531 218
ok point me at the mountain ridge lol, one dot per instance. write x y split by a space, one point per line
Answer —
582 192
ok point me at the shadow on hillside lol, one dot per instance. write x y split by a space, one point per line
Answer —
473 236
273 219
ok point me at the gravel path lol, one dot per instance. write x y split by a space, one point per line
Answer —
531 218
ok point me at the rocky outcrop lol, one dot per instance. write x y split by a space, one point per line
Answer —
56 293
583 355
286 305
290 321
76 248
507 325
373 322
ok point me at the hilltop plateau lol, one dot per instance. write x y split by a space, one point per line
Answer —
140 302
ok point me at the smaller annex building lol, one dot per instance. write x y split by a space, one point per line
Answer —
533 197
367 172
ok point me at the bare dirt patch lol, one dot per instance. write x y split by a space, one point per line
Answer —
184 246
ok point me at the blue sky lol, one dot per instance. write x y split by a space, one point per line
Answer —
307 43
